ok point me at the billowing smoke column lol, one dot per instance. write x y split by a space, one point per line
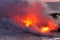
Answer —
35 19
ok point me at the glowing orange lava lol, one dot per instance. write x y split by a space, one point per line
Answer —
29 20
45 29
34 15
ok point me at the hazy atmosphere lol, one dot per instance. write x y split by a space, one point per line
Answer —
23 19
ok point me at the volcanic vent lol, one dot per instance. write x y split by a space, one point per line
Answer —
36 19
29 17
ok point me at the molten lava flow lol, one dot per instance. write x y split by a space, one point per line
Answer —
28 22
34 16
45 29
30 19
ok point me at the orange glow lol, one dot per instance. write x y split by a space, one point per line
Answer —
27 22
45 29
52 25
35 16
30 19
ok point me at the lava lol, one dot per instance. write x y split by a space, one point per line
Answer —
30 19
45 29
27 23
35 16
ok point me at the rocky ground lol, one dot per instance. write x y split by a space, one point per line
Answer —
27 37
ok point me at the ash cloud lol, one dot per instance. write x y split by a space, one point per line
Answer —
9 8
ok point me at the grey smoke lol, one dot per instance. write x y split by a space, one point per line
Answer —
53 5
9 8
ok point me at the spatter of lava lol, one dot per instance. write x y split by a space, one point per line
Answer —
35 18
